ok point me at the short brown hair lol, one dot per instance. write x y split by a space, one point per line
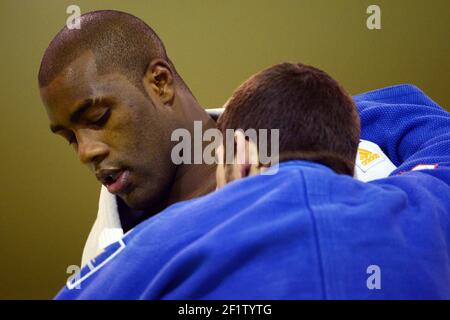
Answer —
317 119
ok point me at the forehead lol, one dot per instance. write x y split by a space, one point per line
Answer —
77 82
72 82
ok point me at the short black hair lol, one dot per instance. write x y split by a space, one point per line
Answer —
120 42
317 119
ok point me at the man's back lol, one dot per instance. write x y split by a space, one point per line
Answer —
303 233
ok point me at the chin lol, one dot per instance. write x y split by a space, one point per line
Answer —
136 202
143 199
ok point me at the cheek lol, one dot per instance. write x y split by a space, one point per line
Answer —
142 140
129 129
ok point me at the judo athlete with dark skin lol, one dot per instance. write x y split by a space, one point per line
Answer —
118 109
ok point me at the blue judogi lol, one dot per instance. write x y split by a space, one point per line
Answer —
304 232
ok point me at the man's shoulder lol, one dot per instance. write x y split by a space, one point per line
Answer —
396 94
196 216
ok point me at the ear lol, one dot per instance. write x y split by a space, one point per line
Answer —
158 82
220 168
242 161
253 156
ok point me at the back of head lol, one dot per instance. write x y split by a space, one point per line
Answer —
317 119
120 42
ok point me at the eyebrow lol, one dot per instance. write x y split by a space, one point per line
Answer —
79 111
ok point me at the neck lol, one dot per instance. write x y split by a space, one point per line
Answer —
193 111
190 182
193 180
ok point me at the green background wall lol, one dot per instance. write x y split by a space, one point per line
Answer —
48 201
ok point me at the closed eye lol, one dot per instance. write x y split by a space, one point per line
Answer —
103 119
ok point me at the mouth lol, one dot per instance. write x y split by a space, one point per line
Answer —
115 180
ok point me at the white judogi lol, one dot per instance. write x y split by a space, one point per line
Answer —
371 164
107 228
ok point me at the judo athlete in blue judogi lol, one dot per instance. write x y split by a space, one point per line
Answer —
304 229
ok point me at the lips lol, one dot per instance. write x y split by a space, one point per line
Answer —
115 180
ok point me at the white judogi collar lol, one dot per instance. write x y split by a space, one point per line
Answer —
371 164
107 228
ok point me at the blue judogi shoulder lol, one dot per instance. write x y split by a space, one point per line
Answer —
303 232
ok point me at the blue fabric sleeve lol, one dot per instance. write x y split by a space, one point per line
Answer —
408 126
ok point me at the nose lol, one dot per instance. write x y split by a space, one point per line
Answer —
91 150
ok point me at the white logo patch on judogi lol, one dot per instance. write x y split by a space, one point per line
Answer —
371 162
